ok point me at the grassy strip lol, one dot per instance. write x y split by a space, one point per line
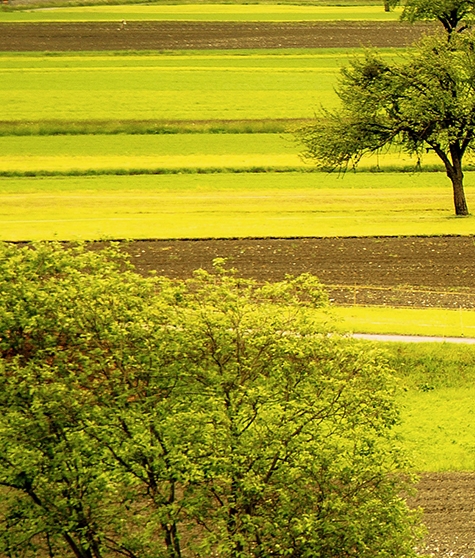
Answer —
437 401
437 404
150 171
20 5
157 92
173 169
136 127
98 154
204 12
407 321
227 205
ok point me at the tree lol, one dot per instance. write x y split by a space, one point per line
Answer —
455 15
151 418
426 102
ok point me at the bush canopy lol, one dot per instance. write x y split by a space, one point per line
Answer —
147 417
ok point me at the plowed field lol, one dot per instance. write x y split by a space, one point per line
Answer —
172 35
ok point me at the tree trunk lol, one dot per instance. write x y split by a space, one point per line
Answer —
454 172
386 6
460 202
453 167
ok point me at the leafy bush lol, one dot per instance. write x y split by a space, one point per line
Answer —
146 417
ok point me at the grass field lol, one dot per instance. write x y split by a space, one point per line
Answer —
405 321
228 205
237 151
204 12
46 93
196 86
437 404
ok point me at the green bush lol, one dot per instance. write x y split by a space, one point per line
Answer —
146 417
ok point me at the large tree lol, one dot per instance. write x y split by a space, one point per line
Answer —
425 102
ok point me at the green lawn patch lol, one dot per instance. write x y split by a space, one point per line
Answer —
204 12
96 153
407 321
437 404
196 86
229 205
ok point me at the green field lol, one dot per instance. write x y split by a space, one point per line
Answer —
197 86
204 12
437 404
121 152
226 185
403 321
228 205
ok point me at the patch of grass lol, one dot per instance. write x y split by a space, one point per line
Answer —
93 154
149 127
204 12
438 428
433 366
63 92
228 205
52 155
437 403
407 321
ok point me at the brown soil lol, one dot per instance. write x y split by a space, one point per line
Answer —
411 271
170 35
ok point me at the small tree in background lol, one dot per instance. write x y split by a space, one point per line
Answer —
210 417
425 102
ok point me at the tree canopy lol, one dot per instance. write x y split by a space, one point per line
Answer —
455 15
424 102
151 418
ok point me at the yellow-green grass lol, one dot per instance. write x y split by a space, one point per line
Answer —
192 86
99 152
406 321
122 152
204 12
229 205
437 399
437 403
438 428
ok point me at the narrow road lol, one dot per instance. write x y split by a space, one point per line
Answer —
414 338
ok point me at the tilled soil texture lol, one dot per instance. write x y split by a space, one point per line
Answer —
448 501
171 35
391 271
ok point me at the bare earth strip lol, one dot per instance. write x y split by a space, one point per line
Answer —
390 271
170 35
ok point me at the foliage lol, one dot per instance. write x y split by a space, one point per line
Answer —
455 15
144 417
425 102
